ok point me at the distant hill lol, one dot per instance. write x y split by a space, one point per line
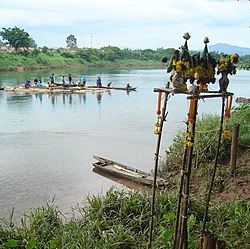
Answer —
229 49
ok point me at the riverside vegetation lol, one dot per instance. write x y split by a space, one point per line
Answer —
120 219
45 57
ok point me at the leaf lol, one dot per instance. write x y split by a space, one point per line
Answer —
170 68
191 221
169 217
31 244
10 243
53 243
166 235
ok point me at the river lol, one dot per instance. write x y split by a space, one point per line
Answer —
48 141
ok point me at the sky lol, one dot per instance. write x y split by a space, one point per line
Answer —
134 24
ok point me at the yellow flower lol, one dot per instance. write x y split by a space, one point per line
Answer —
178 68
222 67
179 63
222 61
196 75
188 143
156 132
187 64
226 133
234 58
157 124
188 134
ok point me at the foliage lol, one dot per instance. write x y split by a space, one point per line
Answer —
71 42
32 43
109 55
231 223
17 38
206 137
241 115
244 62
121 219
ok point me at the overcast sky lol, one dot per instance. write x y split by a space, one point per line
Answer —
130 23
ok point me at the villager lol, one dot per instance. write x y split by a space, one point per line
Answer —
27 84
39 84
40 80
70 79
52 78
63 81
128 86
35 81
84 80
99 82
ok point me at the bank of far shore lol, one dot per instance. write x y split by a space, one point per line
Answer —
36 68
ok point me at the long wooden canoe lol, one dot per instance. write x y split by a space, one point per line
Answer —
120 170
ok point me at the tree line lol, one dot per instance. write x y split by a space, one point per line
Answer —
20 39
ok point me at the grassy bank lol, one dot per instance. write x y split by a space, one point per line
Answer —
120 219
51 58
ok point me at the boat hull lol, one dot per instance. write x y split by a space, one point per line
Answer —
122 171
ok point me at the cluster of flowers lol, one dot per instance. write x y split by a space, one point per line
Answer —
226 64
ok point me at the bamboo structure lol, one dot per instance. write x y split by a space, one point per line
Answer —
181 231
162 117
180 240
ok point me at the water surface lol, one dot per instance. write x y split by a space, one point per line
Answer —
48 140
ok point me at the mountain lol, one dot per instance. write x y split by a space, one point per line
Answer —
229 49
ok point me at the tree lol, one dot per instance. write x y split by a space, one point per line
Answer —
71 42
32 43
16 37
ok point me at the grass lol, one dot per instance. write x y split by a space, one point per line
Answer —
206 138
120 220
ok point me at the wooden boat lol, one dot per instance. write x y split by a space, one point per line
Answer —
242 100
123 171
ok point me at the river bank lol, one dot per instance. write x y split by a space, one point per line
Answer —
37 68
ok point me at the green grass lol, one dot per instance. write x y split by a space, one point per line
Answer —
120 219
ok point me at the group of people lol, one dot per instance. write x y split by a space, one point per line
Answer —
65 83
37 83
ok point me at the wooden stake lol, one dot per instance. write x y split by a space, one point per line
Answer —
234 146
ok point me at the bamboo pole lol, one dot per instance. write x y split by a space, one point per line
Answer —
183 234
162 119
180 195
215 164
234 146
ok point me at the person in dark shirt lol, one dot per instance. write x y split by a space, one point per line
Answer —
99 81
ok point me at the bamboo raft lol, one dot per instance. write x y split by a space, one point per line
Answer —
61 89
